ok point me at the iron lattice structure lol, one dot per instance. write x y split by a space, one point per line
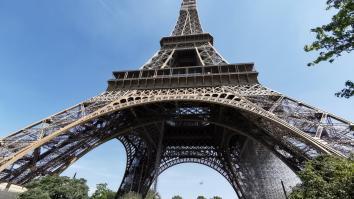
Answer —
186 104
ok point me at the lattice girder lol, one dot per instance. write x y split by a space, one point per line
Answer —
186 104
206 52
293 139
189 26
188 22
140 165
219 152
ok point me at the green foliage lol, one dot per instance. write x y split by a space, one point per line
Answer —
152 195
216 197
131 195
35 194
326 177
56 187
201 197
336 37
348 91
177 197
102 192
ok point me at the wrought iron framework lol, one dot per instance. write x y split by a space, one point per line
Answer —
187 104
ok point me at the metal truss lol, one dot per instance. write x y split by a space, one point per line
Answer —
217 115
140 158
209 55
160 59
188 22
286 121
164 58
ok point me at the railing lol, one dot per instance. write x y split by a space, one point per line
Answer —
186 71
216 75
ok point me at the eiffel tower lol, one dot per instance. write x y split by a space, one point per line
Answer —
187 104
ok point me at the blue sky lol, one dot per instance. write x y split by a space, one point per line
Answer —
54 54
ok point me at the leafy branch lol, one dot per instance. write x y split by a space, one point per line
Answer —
337 37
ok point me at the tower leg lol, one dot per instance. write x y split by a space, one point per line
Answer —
234 177
140 168
231 160
263 173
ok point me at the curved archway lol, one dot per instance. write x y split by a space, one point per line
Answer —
190 180
155 96
104 164
282 139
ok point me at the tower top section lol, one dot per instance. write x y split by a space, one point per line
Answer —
188 22
189 4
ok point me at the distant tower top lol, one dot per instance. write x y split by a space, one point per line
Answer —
189 4
188 22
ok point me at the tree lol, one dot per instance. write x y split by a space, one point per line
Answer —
56 187
216 197
131 195
34 194
152 195
201 197
177 197
326 177
102 192
348 91
336 38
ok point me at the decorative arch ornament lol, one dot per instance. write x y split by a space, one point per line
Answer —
106 113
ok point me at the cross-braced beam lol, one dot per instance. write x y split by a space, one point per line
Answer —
187 104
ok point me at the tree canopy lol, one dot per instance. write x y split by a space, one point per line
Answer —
326 177
103 192
348 91
132 195
336 38
150 195
56 187
177 197
35 193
